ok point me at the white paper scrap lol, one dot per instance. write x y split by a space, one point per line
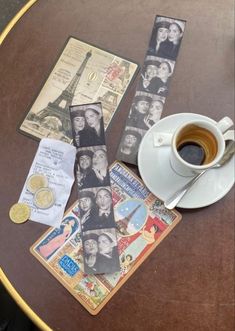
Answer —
54 159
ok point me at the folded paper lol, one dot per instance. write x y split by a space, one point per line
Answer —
55 160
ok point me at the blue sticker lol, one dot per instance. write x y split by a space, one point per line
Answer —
68 265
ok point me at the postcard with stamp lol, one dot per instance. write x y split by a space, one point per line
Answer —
82 74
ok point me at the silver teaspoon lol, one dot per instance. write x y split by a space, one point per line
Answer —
171 202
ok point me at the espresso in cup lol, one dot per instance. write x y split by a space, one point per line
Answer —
196 145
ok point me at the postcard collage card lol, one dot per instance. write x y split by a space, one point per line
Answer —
142 222
82 74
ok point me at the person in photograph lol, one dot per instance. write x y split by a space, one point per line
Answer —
52 245
154 113
138 111
166 42
94 119
129 146
104 202
159 42
147 79
85 176
161 81
90 245
88 209
100 168
79 127
100 214
108 252
175 36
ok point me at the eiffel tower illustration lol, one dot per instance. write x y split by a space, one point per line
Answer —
122 224
59 108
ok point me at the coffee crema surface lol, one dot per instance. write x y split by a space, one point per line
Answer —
196 145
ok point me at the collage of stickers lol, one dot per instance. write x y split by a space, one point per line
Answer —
142 222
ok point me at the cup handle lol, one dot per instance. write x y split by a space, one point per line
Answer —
229 135
224 124
162 139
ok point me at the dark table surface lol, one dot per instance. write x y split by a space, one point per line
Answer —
8 9
187 283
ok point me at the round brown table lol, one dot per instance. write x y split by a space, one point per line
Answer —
187 283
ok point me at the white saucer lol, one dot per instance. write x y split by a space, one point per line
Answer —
162 181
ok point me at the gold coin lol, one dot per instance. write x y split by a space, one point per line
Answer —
19 213
44 198
35 182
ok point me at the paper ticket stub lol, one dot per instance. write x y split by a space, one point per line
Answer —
55 160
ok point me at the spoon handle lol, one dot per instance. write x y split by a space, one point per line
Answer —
172 201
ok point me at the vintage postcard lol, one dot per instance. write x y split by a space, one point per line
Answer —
142 223
82 74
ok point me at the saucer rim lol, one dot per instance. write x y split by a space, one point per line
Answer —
180 205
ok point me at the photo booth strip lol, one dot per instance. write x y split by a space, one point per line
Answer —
153 85
98 228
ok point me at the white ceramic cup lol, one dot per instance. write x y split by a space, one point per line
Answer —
178 164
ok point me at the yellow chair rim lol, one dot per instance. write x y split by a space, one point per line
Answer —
15 19
3 278
22 304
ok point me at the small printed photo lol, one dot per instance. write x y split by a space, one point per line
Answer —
129 144
87 125
139 109
145 111
166 38
155 75
154 113
92 167
57 237
100 251
96 208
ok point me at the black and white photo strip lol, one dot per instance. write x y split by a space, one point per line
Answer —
129 144
166 37
93 182
92 167
145 111
87 125
155 75
153 85
96 209
100 251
